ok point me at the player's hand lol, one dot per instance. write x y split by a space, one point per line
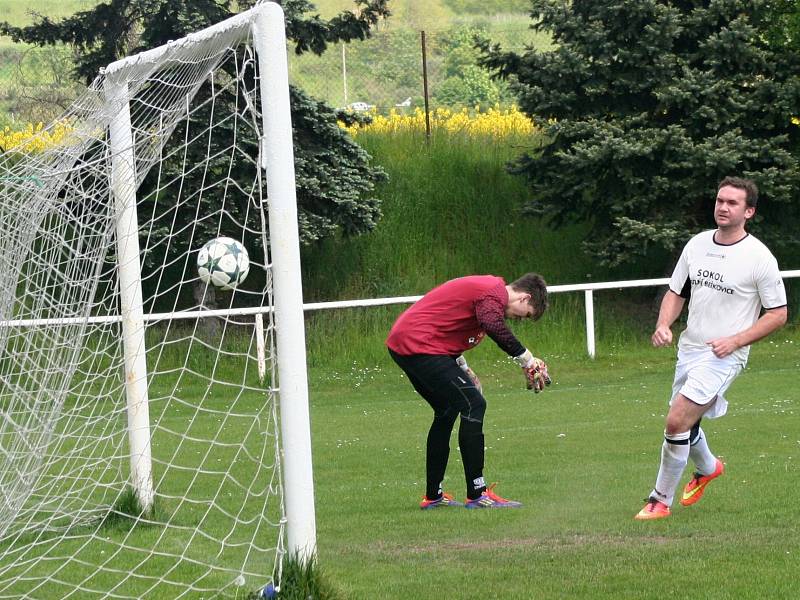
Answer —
537 376
725 346
535 369
662 336
471 374
462 362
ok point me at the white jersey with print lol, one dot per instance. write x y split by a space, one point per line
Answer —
727 285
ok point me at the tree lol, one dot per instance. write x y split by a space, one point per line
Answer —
334 176
785 30
645 106
471 87
465 83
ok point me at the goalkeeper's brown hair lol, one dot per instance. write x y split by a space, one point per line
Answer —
533 284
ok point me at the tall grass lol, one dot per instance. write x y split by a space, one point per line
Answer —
451 209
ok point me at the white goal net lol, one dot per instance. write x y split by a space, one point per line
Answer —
140 426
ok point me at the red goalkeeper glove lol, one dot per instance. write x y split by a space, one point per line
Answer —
535 369
537 375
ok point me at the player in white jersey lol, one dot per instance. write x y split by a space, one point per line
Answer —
728 276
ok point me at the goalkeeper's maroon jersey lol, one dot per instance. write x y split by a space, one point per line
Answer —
454 317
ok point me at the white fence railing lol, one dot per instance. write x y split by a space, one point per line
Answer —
587 288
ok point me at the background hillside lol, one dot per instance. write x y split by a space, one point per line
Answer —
384 71
20 12
406 14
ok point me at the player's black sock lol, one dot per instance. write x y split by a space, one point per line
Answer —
470 440
437 455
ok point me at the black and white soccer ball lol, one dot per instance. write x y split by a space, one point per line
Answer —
223 262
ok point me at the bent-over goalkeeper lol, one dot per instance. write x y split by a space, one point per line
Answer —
428 341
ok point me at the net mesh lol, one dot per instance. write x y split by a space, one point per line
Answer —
71 524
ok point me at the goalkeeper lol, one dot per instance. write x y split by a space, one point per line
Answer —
427 341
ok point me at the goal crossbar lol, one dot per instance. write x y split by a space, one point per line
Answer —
229 32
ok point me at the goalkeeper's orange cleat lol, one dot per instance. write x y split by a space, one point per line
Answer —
653 510
697 486
488 499
443 501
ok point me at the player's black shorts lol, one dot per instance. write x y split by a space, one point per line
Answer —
443 384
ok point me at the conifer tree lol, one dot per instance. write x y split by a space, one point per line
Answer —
645 106
334 176
785 29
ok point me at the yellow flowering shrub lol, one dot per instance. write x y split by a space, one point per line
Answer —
494 122
32 138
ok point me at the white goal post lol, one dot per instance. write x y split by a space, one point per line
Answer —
154 430
278 162
269 41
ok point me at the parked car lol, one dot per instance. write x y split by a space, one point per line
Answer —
360 106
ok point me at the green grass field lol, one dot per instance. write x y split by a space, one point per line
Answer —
582 457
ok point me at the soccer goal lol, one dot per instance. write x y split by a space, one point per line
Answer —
154 430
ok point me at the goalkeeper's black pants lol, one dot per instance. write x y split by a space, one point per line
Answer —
450 392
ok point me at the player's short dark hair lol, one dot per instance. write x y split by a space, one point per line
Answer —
748 185
533 284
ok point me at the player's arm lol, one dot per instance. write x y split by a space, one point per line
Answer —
671 307
491 316
772 320
680 288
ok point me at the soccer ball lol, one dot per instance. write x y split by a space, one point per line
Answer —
223 262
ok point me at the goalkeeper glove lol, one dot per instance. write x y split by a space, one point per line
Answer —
535 369
462 362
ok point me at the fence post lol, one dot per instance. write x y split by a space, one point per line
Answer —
425 87
589 297
260 350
